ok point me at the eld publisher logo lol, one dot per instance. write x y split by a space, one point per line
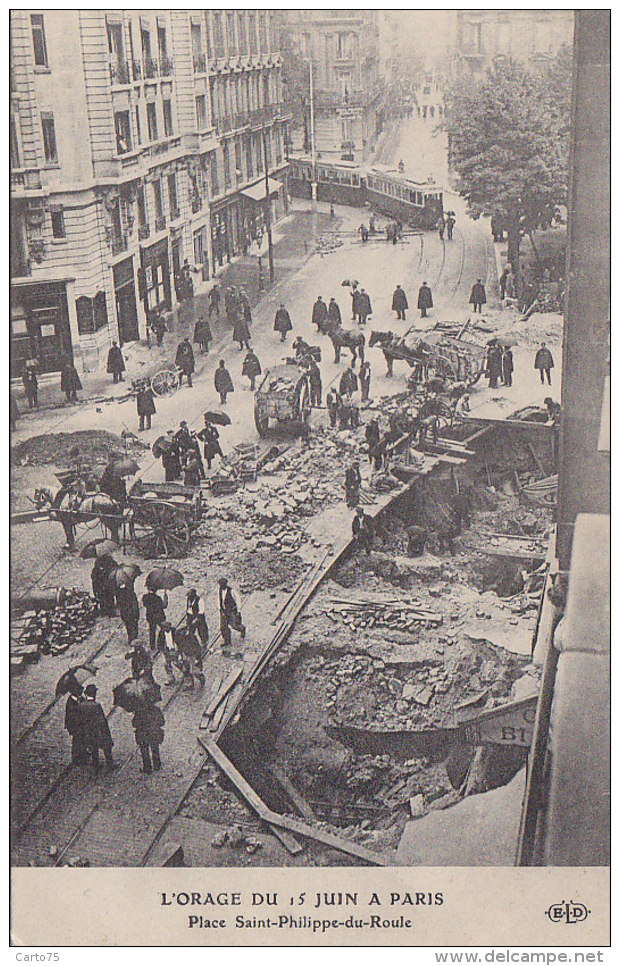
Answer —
567 911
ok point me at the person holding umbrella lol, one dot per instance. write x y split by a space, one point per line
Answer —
148 723
73 724
128 607
185 362
210 439
145 404
155 608
223 382
282 322
116 363
95 731
103 584
229 613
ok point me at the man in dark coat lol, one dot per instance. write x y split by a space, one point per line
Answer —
334 405
229 613
355 304
158 326
494 365
282 322
352 484
246 308
478 296
92 722
171 462
70 381
363 529
214 301
348 382
507 366
241 332
203 334
145 404
210 439
319 313
372 435
399 303
365 380
141 661
31 386
148 723
113 485
223 382
129 609
333 312
155 608
251 368
450 223
195 615
116 363
230 305
425 299
185 361
544 362
103 585
364 308
316 386
73 725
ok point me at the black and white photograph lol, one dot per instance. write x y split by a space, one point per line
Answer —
310 461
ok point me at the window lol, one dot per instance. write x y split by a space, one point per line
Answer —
123 132
14 143
151 120
162 42
241 33
58 224
201 112
248 156
197 52
38 40
262 30
230 32
215 187
117 52
252 31
218 34
172 196
141 203
226 159
158 198
168 118
138 130
49 138
238 163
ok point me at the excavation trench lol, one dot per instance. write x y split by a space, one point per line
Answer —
359 719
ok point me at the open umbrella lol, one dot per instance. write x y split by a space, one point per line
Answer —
71 681
132 695
100 547
125 467
161 445
164 578
126 573
508 339
220 419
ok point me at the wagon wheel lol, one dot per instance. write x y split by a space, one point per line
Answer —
164 381
444 368
160 530
261 419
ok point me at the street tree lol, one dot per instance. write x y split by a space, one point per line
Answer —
508 133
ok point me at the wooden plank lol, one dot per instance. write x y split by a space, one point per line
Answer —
215 687
300 803
510 423
282 821
228 684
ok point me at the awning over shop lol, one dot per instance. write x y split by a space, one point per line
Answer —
257 191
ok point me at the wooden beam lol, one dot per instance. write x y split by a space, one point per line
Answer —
232 678
300 803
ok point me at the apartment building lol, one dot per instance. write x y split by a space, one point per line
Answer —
138 140
343 48
527 35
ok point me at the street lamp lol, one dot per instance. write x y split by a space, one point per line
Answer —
312 137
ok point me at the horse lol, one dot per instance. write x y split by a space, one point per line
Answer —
344 339
393 347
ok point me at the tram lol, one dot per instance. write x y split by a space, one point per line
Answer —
379 186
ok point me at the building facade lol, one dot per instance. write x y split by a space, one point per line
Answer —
138 141
342 46
528 35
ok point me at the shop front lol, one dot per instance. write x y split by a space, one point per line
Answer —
39 326
125 296
154 277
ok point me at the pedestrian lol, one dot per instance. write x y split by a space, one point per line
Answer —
230 305
191 470
333 312
478 296
425 299
73 724
202 334
210 439
195 615
246 308
116 363
171 460
334 404
141 661
399 303
188 281
507 366
364 377
355 304
282 322
494 364
31 385
229 613
363 529
364 308
441 226
93 724
372 435
166 646
316 386
241 332
544 362
155 608
223 382
450 223
103 585
70 381
148 723
251 368
185 362
189 652
319 313
158 326
348 382
214 301
363 230
145 404
502 283
352 484
129 609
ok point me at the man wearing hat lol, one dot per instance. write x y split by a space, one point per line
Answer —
195 615
229 613
94 727
148 723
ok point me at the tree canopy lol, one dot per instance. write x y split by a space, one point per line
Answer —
509 135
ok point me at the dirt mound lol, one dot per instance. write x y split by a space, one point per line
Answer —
93 446
261 569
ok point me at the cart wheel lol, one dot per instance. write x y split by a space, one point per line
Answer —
261 420
165 381
160 530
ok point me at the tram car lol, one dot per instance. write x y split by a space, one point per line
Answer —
379 186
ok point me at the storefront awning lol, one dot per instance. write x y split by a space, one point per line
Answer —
257 191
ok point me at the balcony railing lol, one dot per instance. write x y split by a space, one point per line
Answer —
144 231
175 212
160 223
119 73
200 63
151 69
167 67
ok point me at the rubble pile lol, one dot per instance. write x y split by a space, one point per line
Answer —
53 631
91 445
395 613
413 784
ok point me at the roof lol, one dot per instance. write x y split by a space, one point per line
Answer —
257 191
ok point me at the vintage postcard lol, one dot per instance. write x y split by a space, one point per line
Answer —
310 477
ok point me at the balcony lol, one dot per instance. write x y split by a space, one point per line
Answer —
167 67
151 69
119 73
175 212
200 63
144 231
160 223
29 178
